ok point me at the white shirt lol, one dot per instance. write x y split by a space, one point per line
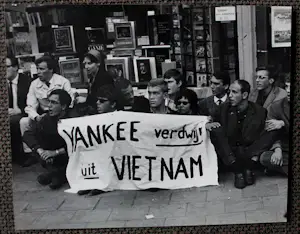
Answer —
223 99
14 83
39 91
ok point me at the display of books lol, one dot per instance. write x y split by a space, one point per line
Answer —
159 28
63 39
70 69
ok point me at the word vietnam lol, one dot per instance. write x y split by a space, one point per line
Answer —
169 168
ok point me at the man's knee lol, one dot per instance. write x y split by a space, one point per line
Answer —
25 123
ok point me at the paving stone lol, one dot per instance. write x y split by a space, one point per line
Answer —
44 204
107 224
228 218
205 208
75 202
67 226
85 216
260 190
25 221
42 194
19 206
145 223
275 203
115 201
243 205
28 186
192 196
129 213
18 196
55 217
166 211
261 216
223 193
185 221
153 198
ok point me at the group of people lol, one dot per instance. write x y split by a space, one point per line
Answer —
248 129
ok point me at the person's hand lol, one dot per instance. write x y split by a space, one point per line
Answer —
276 158
273 124
80 99
14 111
46 154
39 117
210 126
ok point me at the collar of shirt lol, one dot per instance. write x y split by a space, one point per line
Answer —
223 99
15 80
41 83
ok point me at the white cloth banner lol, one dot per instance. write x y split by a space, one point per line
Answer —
133 151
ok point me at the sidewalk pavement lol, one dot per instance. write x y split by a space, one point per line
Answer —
38 207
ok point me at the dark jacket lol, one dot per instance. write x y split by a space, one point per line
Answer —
252 127
44 135
23 88
208 107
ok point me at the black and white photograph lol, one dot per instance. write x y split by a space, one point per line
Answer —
135 135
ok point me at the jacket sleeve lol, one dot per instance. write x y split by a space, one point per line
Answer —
30 137
202 107
32 103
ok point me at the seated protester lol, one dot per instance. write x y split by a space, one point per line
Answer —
97 76
48 146
276 159
129 102
236 130
157 91
106 102
219 84
175 83
37 98
187 102
18 86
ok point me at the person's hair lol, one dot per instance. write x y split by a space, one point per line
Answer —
122 83
95 60
224 76
272 71
13 61
245 86
92 58
175 74
192 98
158 82
47 59
107 91
63 95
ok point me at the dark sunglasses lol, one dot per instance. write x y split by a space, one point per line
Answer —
184 103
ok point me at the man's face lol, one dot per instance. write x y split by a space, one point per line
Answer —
128 94
288 89
91 68
104 105
11 72
184 106
173 86
43 72
55 108
263 80
156 96
217 87
235 94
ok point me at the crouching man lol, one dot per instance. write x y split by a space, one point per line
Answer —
237 131
48 146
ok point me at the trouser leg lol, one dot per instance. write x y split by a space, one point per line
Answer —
16 138
25 124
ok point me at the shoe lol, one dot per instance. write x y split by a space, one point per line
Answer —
45 179
95 192
83 192
239 181
57 182
31 160
249 177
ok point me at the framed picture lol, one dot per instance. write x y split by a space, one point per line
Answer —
63 39
22 42
70 69
144 69
121 64
281 26
125 35
95 38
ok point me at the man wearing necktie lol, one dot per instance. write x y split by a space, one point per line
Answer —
37 98
219 84
18 86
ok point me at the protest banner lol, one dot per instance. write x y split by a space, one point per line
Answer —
133 151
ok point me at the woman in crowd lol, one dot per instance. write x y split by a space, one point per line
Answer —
97 76
186 102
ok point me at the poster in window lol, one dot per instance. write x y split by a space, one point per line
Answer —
281 26
22 43
144 69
